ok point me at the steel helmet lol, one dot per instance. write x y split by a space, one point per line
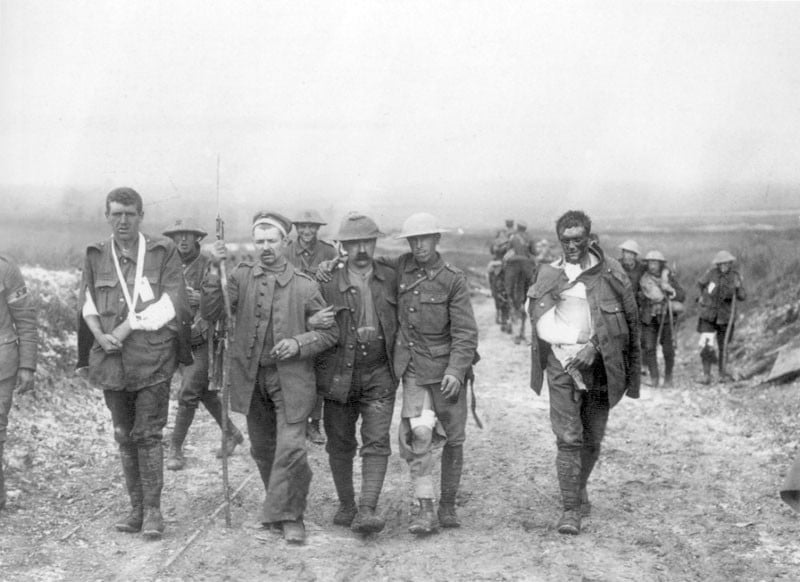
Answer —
630 246
309 217
722 257
357 226
420 224
655 256
185 225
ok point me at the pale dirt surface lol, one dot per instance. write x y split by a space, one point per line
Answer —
686 489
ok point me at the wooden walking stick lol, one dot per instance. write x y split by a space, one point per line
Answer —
728 332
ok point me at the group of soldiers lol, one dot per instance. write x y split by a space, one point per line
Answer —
659 297
306 320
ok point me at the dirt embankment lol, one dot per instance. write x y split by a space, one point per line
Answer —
686 489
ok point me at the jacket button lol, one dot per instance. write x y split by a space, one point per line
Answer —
411 309
416 292
410 344
352 310
352 290
541 305
410 326
349 365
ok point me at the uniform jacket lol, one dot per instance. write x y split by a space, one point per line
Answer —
335 366
193 274
716 306
148 357
650 312
522 248
18 343
614 315
635 274
437 327
290 297
307 260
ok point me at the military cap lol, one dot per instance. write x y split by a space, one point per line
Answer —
185 225
420 224
655 256
267 218
522 225
631 246
357 226
722 257
309 217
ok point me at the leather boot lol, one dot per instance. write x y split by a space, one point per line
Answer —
452 465
426 521
373 471
132 522
151 468
342 472
183 420
313 433
568 464
2 479
233 437
706 372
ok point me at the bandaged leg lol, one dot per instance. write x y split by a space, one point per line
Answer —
421 464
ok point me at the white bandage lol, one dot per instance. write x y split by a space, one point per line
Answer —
426 418
89 308
155 316
269 222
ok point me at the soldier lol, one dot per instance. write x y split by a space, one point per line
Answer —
496 275
135 305
518 268
271 364
194 382
18 346
356 377
657 288
720 287
306 253
629 259
585 335
435 348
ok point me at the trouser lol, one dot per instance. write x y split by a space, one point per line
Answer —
139 418
578 419
416 445
650 347
6 396
498 287
721 329
371 397
316 412
195 389
279 450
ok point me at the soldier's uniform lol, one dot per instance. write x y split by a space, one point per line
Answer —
437 337
194 379
18 344
306 259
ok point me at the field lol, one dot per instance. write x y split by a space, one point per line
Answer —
686 488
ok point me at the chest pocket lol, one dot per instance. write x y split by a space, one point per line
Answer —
433 314
614 318
108 295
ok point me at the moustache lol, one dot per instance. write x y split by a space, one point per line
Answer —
362 257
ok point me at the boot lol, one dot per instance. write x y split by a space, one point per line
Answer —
452 464
586 505
426 521
132 522
313 434
706 372
183 420
151 468
2 479
294 531
342 472
588 459
233 437
373 471
568 464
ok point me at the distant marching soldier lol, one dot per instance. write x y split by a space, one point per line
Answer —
720 287
18 346
306 253
518 267
195 380
134 305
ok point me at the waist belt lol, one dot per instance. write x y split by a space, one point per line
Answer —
371 353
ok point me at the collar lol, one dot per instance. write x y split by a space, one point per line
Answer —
344 279
431 269
301 247
282 277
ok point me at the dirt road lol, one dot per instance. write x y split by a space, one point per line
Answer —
685 490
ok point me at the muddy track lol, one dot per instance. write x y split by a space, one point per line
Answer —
685 490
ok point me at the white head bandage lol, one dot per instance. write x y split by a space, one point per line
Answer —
267 221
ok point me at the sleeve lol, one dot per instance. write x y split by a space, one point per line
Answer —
174 286
463 330
85 336
316 341
212 303
680 294
23 314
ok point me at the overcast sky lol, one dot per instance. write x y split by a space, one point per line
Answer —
424 101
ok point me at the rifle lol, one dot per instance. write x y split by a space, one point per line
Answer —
224 339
